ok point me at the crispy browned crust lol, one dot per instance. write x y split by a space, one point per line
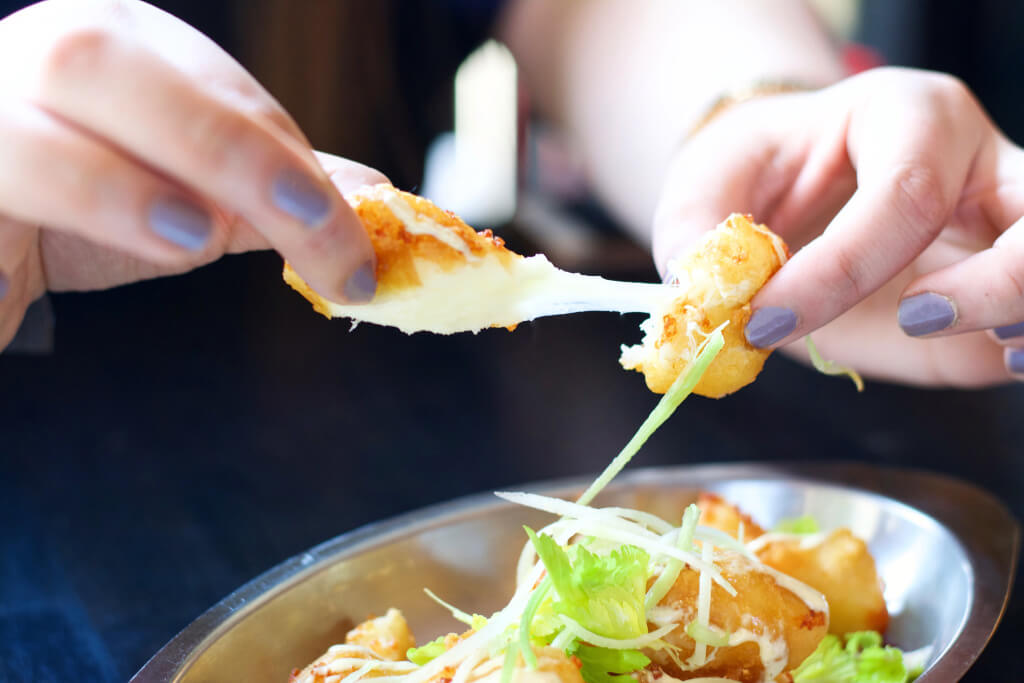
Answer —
398 250
761 605
320 304
739 252
841 567
717 513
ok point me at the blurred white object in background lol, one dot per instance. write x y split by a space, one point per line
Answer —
474 170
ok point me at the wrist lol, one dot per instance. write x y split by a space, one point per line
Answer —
757 89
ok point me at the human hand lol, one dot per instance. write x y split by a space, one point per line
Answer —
903 200
135 147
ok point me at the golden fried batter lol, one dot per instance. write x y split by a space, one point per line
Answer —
775 623
384 639
403 229
716 513
717 280
434 272
840 566
388 636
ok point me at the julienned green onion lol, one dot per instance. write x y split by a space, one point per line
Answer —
828 367
526 621
675 395
474 621
805 524
684 541
707 634
508 667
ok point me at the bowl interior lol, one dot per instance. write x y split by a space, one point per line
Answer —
466 553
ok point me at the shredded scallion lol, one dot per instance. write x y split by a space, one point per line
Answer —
675 395
828 367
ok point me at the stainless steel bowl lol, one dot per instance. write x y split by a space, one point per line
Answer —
946 550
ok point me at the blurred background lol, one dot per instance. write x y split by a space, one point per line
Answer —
181 436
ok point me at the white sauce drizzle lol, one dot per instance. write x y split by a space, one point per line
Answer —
414 222
813 599
774 652
804 541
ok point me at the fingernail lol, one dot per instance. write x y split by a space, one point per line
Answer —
1010 331
5 285
297 195
925 313
769 325
181 222
362 285
670 279
1015 361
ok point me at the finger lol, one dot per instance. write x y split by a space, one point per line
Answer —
983 291
347 175
772 158
54 175
1013 359
907 188
716 173
122 93
20 283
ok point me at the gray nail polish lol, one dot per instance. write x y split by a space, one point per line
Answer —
181 222
296 194
362 285
1015 361
925 313
1010 331
769 325
5 285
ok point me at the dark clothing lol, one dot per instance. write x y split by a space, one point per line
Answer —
188 433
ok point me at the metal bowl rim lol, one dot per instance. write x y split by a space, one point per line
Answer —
177 655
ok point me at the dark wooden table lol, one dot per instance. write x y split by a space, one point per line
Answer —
189 433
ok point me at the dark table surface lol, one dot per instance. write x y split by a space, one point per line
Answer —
189 433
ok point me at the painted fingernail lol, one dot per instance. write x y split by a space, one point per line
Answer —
5 285
925 313
362 285
769 325
1010 331
298 195
1015 361
181 222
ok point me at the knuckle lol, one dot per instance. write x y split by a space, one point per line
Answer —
1013 279
219 139
850 275
920 196
79 51
947 88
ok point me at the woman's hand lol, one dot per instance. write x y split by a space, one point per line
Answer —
134 147
903 200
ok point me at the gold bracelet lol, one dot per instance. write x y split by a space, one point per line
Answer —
757 89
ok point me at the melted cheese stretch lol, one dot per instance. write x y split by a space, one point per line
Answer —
473 282
485 292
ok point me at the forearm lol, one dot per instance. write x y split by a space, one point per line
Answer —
630 79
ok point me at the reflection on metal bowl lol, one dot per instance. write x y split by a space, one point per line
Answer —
946 550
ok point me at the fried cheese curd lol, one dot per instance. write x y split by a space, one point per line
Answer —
716 279
837 563
434 272
380 645
383 640
774 622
